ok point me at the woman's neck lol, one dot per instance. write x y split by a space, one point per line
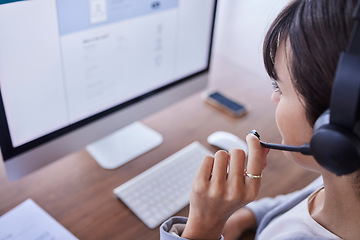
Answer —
337 207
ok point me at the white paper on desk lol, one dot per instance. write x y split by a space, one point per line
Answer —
29 221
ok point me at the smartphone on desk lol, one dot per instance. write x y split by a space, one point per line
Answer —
224 103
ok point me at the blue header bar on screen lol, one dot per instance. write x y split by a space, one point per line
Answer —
81 15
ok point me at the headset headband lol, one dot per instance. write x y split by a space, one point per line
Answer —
354 46
345 95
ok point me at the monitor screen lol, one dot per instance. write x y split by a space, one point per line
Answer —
65 65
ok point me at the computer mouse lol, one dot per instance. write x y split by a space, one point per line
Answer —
226 141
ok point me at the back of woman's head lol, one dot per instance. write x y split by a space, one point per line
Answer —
318 31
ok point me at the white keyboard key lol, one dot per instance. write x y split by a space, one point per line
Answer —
164 189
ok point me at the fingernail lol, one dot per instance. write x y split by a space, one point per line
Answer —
254 132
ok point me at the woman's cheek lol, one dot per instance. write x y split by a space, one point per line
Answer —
275 97
284 123
278 114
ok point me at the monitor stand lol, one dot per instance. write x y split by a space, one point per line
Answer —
124 145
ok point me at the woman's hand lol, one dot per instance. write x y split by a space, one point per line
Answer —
220 188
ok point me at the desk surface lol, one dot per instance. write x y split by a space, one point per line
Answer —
78 193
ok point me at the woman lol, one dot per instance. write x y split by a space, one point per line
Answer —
301 51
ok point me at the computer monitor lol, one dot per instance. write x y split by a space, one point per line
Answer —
72 72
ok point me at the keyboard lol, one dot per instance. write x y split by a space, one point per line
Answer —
164 189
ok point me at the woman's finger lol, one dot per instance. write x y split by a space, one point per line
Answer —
255 162
205 170
236 165
220 166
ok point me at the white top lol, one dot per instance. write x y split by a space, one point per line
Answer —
296 221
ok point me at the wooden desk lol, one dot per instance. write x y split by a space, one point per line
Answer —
78 193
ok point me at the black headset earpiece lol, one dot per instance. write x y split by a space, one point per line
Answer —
335 148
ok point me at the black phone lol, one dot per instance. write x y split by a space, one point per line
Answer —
224 103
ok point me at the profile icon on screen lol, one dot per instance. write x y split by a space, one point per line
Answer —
98 11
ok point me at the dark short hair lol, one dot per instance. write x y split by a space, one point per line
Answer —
318 31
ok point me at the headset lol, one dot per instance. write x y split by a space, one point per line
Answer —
335 143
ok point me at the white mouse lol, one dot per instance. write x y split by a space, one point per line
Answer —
226 141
